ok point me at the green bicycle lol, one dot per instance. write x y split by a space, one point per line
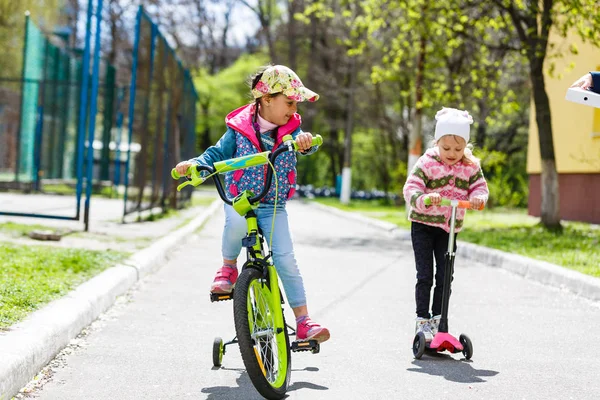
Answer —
261 331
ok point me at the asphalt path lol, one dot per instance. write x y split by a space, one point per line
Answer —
530 341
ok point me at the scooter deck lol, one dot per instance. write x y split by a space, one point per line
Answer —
444 341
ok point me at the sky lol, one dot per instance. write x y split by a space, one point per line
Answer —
243 20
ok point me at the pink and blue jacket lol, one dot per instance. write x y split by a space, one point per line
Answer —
240 140
460 181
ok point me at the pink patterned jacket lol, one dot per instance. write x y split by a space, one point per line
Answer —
458 182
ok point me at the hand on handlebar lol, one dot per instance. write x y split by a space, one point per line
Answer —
304 141
477 203
434 199
183 167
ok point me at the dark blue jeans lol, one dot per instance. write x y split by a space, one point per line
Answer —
429 242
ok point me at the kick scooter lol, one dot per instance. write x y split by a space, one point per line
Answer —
443 340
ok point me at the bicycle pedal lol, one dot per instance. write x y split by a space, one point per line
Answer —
221 297
306 345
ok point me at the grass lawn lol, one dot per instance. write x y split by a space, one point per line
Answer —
32 276
577 247
14 229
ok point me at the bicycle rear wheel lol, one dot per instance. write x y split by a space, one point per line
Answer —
265 347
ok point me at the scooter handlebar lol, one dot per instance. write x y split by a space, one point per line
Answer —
453 203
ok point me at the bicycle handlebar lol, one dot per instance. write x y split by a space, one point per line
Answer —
453 203
241 163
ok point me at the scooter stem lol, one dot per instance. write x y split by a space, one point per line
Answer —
449 270
452 226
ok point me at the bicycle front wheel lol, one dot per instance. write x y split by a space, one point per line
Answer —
264 346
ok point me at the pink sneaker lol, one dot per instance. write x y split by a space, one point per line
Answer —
224 280
307 330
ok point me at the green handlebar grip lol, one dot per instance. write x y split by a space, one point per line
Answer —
448 202
445 202
195 178
317 140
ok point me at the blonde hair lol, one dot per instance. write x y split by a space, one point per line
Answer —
468 157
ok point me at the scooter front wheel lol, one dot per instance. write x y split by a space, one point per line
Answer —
419 345
467 346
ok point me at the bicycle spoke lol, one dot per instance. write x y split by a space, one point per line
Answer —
263 331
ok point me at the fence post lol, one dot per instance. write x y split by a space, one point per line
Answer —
92 123
85 70
23 83
132 89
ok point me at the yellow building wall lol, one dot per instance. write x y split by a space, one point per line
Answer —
576 127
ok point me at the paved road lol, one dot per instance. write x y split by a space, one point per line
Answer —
530 341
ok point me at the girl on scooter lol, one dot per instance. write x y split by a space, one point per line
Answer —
448 169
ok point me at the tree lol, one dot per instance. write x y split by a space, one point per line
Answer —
267 13
533 21
425 55
12 23
220 94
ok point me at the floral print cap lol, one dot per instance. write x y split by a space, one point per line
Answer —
281 79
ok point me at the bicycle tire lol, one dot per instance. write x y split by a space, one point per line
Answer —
268 367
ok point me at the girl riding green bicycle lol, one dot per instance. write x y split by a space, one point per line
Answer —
252 129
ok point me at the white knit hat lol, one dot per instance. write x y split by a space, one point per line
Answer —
451 121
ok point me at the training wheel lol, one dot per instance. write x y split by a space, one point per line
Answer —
217 352
467 346
419 345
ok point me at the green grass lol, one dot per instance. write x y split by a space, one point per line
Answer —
577 247
66 189
32 276
16 230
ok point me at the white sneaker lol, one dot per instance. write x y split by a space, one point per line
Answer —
422 325
434 324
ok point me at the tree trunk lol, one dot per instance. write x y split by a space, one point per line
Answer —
415 141
550 207
265 15
415 138
293 8
347 170
205 140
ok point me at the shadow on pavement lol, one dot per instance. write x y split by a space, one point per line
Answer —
451 369
246 391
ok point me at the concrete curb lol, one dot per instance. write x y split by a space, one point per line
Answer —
31 344
539 271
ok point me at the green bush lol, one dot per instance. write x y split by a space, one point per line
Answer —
506 177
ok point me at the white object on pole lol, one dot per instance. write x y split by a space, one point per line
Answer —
582 96
346 185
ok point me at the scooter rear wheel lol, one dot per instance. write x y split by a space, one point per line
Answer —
419 345
467 346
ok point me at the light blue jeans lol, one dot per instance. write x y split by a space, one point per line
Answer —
282 246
